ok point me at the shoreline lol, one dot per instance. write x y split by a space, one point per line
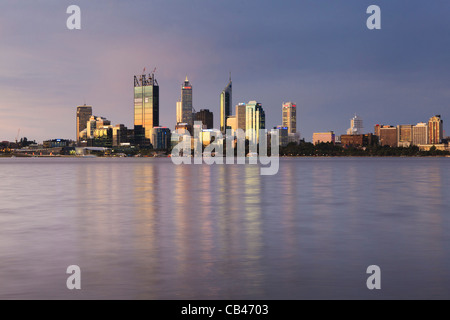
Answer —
288 157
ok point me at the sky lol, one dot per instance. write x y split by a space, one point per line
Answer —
318 54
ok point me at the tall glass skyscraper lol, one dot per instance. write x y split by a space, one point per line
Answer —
146 106
225 106
185 106
255 120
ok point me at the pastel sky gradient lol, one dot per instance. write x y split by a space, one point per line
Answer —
318 54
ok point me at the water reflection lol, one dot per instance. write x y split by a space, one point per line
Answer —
145 228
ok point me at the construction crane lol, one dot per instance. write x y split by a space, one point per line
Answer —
18 133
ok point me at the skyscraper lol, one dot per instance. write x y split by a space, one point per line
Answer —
84 113
255 120
225 106
184 107
290 117
146 107
435 130
356 125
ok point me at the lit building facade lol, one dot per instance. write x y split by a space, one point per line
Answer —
290 117
324 137
232 123
95 123
420 134
404 135
435 130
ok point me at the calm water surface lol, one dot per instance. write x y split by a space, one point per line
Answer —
147 229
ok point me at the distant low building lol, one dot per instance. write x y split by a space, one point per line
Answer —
427 147
358 140
324 137
56 143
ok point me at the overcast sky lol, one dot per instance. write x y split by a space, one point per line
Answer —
318 54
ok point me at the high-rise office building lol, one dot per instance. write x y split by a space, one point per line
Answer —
435 130
290 117
225 105
84 113
255 120
405 135
146 107
185 106
356 125
420 134
241 116
206 117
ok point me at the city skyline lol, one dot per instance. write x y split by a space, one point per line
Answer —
332 66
